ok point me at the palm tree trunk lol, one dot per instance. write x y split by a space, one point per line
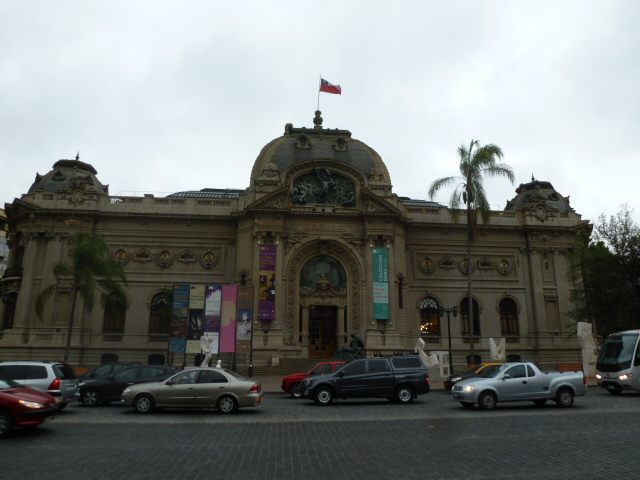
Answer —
73 310
469 281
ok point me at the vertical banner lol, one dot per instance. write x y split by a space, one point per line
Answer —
244 327
212 309
380 283
267 283
196 318
177 337
228 318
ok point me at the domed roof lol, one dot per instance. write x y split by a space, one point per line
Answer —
305 144
64 171
538 191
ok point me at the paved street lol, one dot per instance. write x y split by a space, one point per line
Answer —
433 438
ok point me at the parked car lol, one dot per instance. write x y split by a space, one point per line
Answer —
401 378
197 387
473 371
291 383
106 369
55 378
95 391
517 382
23 406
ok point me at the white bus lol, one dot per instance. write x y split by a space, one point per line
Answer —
618 366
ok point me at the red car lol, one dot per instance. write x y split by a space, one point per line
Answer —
291 383
23 406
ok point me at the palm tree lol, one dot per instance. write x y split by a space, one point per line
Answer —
474 166
91 271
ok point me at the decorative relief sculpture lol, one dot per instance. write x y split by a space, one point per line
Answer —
324 187
353 351
122 257
427 265
209 259
164 258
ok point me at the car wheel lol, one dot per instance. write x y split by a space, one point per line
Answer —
614 391
466 404
323 396
404 394
541 401
227 405
6 424
564 398
294 390
144 404
487 401
91 398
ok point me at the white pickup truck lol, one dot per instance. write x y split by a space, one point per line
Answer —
518 382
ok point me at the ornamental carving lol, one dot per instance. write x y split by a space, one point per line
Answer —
486 265
303 142
323 289
324 187
341 144
121 256
504 267
164 259
427 265
143 255
463 266
293 292
447 263
187 256
209 259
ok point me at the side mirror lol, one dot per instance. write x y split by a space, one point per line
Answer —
111 377
506 376
340 374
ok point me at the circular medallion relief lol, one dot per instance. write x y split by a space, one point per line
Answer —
164 258
427 265
122 257
209 259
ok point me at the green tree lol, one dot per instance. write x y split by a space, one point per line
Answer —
91 272
476 163
608 294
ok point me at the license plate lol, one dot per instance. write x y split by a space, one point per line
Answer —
71 387
455 395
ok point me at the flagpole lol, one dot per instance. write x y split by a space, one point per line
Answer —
319 85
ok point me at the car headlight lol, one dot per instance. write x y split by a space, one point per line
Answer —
456 379
81 384
598 376
468 388
626 376
126 390
31 404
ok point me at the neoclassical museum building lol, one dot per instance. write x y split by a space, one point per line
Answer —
348 256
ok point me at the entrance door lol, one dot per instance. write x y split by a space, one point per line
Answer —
322 331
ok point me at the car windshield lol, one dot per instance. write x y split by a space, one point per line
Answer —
7 383
618 350
492 370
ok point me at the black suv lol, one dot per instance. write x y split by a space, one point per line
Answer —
399 378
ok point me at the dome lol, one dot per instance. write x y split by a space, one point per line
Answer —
299 145
538 191
64 171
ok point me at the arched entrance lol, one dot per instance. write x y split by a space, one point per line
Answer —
324 306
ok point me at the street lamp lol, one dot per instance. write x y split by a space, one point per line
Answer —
449 311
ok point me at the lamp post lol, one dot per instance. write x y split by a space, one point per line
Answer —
449 311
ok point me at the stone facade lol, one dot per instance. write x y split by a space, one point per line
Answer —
325 200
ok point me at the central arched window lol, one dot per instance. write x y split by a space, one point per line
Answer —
509 320
323 265
160 313
464 315
115 313
429 318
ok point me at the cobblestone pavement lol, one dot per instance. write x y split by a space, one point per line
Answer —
433 438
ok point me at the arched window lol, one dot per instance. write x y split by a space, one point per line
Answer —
323 265
509 320
115 314
160 314
429 318
464 316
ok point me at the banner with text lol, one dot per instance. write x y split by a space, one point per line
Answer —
178 334
380 283
244 327
228 318
267 282
212 309
196 318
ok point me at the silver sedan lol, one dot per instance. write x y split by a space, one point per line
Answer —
200 387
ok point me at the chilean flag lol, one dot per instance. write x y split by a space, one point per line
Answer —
329 88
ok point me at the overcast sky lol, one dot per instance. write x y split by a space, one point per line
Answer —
166 96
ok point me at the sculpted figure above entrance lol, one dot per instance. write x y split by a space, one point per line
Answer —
324 187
